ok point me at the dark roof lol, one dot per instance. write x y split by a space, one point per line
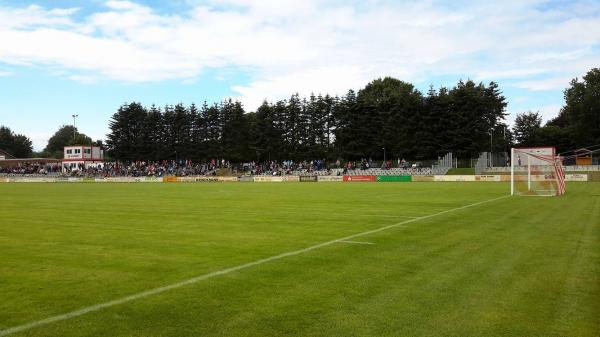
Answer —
6 154
17 162
32 160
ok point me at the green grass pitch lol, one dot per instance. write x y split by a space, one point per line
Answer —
515 266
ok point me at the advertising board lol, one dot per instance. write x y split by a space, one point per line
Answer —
454 178
576 177
34 180
227 179
330 179
423 178
360 178
395 179
197 179
487 178
119 179
267 179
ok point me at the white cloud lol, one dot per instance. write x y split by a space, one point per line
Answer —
33 15
558 56
318 81
84 79
312 45
39 140
555 83
123 5
547 112
508 73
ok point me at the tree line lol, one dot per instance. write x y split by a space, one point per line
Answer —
20 146
17 145
577 124
387 113
65 136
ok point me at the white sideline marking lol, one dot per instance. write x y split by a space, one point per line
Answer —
401 216
196 279
357 242
387 216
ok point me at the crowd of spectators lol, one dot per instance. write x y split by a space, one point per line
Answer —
120 169
190 168
150 169
286 167
29 168
365 164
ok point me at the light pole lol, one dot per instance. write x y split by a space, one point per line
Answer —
491 146
74 133
384 162
504 143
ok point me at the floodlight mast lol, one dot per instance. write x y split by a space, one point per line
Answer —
528 175
74 132
491 163
512 171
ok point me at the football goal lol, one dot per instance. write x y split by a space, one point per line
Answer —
536 172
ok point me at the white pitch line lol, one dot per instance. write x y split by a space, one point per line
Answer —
196 279
357 242
386 216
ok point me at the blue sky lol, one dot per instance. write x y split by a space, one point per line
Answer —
64 57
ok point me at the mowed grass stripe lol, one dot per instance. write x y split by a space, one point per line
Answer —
159 290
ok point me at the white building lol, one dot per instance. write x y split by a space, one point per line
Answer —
81 156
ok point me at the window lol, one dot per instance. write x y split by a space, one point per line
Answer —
77 151
69 151
87 151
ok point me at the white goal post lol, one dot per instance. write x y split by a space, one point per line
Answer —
536 171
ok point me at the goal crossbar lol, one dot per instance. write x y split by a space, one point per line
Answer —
536 172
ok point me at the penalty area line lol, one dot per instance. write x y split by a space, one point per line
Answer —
158 290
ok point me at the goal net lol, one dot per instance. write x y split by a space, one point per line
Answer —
536 172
